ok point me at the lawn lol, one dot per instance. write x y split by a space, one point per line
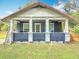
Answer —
39 51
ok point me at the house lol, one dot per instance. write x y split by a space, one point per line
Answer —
39 22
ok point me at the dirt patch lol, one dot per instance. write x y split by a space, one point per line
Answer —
1 32
74 36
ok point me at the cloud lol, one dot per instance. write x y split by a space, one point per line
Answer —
9 12
6 13
60 6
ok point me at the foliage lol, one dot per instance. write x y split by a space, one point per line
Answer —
74 25
72 5
76 29
5 27
67 7
1 25
75 14
15 26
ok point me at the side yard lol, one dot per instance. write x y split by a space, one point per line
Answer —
74 36
2 35
40 51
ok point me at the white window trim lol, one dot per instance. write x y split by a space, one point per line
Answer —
39 25
23 26
53 26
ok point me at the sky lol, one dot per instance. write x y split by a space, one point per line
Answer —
9 6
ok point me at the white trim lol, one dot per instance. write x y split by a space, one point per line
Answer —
47 35
67 37
39 18
11 31
47 25
66 30
66 26
36 25
30 36
11 25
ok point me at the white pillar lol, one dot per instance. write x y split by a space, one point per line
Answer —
11 31
67 35
30 38
66 26
47 34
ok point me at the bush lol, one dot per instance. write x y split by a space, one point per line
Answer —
1 25
76 29
5 27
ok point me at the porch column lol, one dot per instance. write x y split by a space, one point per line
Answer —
11 31
67 35
47 35
66 26
30 31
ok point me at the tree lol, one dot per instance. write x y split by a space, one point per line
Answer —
67 7
74 25
72 5
1 25
5 27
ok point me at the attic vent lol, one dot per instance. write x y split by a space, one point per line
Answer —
39 6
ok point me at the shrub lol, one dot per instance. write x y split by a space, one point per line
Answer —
5 27
76 28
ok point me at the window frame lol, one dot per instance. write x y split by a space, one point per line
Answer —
24 26
36 25
49 27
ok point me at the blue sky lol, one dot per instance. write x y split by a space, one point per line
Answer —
9 6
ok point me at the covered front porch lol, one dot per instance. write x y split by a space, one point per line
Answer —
39 29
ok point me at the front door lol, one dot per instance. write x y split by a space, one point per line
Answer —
37 27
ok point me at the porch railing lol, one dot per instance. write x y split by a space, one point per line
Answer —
21 36
57 36
39 36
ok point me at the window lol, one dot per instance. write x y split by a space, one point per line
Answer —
51 27
37 27
25 27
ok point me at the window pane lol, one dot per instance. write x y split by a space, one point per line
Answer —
26 27
37 28
51 27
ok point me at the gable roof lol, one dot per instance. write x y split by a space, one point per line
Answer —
34 5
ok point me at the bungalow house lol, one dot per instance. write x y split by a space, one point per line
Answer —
39 22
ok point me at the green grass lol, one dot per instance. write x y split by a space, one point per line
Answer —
39 51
